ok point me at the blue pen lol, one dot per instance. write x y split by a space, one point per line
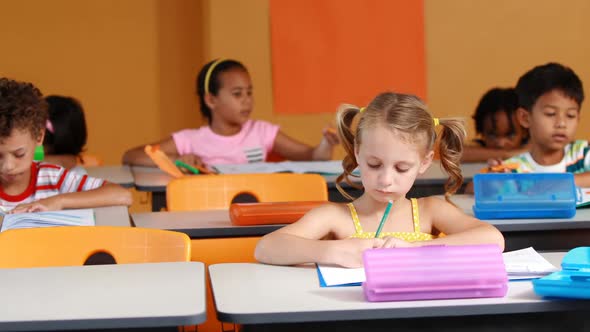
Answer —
384 218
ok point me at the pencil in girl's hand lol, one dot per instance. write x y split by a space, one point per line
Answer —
384 218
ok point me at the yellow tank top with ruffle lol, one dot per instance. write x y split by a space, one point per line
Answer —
414 236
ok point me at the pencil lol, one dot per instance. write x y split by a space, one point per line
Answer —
384 218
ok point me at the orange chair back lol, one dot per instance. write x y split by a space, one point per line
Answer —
215 251
72 245
206 192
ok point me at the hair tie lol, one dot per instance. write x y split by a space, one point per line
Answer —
362 109
209 72
49 126
436 121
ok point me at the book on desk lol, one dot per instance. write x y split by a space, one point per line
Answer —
520 264
329 167
77 217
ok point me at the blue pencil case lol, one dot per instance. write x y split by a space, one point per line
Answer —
573 281
524 195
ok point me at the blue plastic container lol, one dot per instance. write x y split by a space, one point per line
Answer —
524 195
573 281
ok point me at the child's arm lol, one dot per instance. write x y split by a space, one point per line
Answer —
301 242
473 153
294 150
108 194
582 179
138 157
458 227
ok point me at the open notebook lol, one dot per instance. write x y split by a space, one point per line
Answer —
582 197
80 217
330 167
520 264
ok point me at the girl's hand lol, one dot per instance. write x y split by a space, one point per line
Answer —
46 204
392 242
330 136
192 160
349 252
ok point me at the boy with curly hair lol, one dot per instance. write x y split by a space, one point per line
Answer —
31 186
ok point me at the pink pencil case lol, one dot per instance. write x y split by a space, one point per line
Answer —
434 272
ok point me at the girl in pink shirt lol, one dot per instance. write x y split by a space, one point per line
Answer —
230 136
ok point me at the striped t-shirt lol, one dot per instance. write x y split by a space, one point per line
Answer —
49 180
575 160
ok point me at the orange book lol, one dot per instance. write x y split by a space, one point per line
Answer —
172 168
162 161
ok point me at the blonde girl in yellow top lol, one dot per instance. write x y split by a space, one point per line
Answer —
391 141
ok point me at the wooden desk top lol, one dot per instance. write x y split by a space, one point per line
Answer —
116 174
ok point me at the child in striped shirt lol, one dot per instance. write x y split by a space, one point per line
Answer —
29 186
549 98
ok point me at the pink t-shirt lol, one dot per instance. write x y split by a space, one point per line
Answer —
251 144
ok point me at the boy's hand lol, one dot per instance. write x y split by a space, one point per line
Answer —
498 166
349 252
494 162
46 204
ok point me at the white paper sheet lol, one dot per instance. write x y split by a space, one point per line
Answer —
526 264
334 275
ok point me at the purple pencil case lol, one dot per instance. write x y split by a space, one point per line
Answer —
434 272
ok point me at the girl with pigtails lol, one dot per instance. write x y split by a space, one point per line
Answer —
391 141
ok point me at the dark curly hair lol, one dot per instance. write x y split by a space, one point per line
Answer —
21 107
492 102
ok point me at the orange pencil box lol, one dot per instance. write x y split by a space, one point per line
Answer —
502 168
248 214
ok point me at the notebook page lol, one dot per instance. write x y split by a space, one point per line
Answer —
527 262
582 197
332 167
252 168
335 275
79 217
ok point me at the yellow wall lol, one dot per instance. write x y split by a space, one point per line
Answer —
470 47
129 62
474 45
134 61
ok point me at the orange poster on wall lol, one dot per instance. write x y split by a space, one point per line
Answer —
328 52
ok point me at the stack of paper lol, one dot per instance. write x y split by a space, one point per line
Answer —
81 217
520 264
526 264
